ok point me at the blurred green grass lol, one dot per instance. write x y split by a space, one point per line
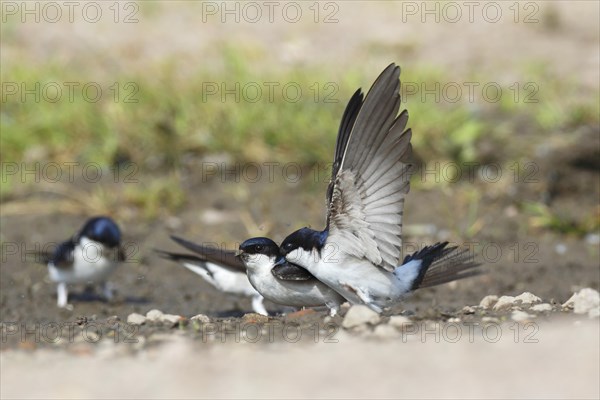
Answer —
172 117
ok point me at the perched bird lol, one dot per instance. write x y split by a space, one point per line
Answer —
89 257
283 282
220 268
359 252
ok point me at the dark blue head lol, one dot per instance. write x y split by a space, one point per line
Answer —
304 238
260 245
102 230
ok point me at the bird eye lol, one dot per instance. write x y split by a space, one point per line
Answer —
258 248
288 246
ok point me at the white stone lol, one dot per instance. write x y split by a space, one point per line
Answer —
586 301
542 307
528 298
521 316
360 315
201 318
136 319
170 319
468 310
399 321
504 303
154 315
488 301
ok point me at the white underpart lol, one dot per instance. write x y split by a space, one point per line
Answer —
228 281
223 278
289 293
92 263
358 280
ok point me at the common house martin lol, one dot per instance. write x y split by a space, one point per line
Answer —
89 257
359 252
283 282
220 268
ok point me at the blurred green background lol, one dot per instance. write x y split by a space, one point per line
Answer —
157 116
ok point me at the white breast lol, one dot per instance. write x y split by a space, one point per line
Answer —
92 263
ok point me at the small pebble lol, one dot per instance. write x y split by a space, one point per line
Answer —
542 307
201 318
467 310
586 301
488 301
504 303
360 315
136 319
170 319
528 298
154 315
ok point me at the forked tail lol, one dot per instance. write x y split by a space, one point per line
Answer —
440 265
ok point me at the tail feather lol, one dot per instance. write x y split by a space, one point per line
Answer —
454 264
427 255
441 264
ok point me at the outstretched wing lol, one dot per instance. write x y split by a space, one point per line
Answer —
367 199
348 119
225 258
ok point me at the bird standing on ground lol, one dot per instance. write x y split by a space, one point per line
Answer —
89 257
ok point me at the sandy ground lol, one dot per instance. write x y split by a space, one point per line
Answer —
169 363
562 364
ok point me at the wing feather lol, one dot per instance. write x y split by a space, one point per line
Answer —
366 196
226 258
